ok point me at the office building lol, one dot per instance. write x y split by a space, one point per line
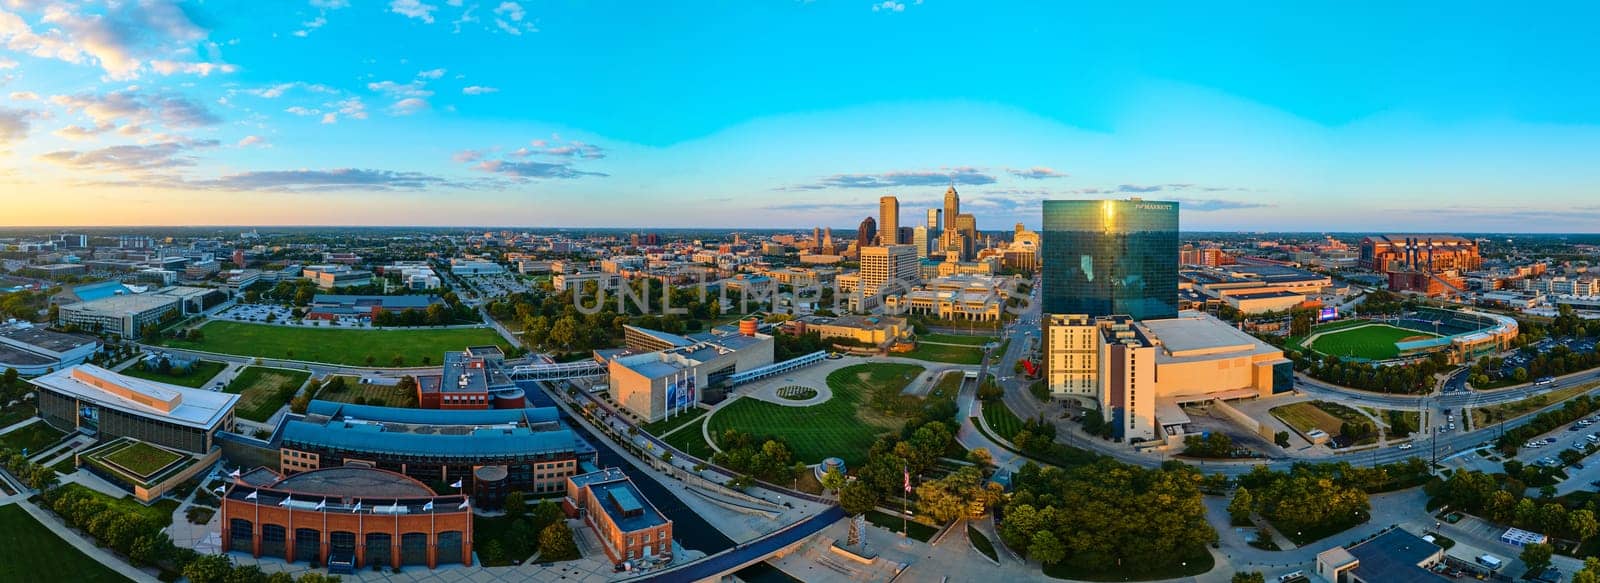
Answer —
629 527
33 351
919 240
460 266
1431 253
345 518
956 297
98 402
1393 556
532 449
1138 374
933 220
125 316
884 270
1110 257
878 332
889 220
660 374
334 306
866 233
470 379
335 276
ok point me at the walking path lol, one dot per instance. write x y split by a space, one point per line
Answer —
20 425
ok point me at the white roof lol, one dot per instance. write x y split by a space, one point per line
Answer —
194 407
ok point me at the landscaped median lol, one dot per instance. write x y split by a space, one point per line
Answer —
1331 418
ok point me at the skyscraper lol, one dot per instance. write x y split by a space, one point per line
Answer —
866 233
879 267
889 220
933 220
1111 257
919 239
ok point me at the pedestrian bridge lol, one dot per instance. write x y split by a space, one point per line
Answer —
557 371
777 368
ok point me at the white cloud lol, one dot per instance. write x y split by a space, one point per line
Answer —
510 10
397 90
125 39
310 25
302 111
80 133
253 140
13 124
408 106
466 18
352 108
330 4
24 96
431 74
413 9
134 106
889 6
478 90
8 63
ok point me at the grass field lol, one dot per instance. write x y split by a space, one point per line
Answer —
261 390
1001 419
348 347
142 458
840 426
195 378
659 427
159 513
945 353
956 339
1305 417
1374 341
380 395
17 414
33 438
32 551
690 441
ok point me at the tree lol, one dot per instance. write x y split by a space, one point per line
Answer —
1590 572
857 498
556 544
1282 439
547 512
315 577
1242 505
981 457
208 569
1536 556
1046 548
516 504
1251 577
1581 524
833 479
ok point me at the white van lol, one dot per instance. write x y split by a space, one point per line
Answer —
1291 576
1492 562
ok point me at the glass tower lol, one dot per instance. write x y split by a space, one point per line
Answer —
1110 257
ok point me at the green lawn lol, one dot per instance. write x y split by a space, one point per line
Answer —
866 403
336 346
195 378
142 458
262 390
33 552
1374 341
378 395
1306 416
33 438
944 353
17 414
659 427
1001 419
956 339
690 441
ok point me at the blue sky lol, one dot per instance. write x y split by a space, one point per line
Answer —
1332 116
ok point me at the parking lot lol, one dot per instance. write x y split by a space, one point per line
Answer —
1519 359
494 286
283 316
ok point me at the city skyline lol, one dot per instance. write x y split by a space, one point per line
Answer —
228 113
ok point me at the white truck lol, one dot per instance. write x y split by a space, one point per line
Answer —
1492 562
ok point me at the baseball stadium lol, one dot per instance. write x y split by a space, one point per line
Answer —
1461 335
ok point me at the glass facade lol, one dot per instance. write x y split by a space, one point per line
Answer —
1110 257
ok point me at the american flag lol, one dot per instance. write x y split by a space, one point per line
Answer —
907 474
